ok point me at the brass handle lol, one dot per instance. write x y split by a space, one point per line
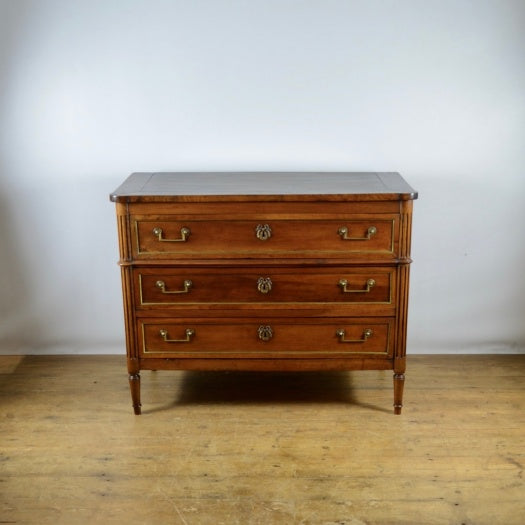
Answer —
263 232
162 285
265 333
343 233
367 332
184 234
190 332
343 283
264 284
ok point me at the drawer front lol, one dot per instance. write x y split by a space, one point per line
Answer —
167 237
260 338
264 286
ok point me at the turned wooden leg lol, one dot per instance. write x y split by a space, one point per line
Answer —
399 383
134 385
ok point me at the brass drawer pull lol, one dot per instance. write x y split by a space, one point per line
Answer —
263 232
264 284
367 332
162 285
190 332
343 233
370 283
265 333
184 234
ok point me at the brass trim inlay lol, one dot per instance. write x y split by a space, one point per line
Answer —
343 233
265 304
184 234
243 251
190 332
199 353
367 332
343 283
162 285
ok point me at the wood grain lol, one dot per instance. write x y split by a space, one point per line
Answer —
272 448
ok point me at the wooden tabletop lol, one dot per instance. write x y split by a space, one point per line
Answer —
262 186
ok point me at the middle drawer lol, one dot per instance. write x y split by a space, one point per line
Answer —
172 287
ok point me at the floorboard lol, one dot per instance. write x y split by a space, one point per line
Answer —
262 448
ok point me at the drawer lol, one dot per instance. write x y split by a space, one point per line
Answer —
168 237
260 338
264 286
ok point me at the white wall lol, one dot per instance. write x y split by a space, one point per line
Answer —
92 90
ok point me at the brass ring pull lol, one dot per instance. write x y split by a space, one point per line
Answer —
162 285
343 233
343 283
190 332
264 284
367 332
184 234
263 232
265 333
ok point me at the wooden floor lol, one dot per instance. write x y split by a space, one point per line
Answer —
255 448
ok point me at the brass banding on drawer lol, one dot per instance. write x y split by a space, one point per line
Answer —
167 237
280 338
276 285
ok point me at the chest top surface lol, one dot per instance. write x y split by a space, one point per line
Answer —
262 186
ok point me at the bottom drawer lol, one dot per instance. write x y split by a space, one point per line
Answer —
259 338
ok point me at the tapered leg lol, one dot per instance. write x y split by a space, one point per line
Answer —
134 385
399 383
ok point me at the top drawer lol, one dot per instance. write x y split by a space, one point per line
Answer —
173 237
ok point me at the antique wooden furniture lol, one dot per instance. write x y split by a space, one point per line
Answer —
265 271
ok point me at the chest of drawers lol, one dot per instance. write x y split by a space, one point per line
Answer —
265 271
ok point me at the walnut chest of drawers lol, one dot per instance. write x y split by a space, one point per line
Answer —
265 271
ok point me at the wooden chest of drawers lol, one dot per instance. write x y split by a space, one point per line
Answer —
265 271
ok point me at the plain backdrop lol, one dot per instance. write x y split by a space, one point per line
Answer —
92 90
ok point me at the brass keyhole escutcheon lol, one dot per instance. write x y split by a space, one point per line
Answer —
263 232
265 333
264 284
